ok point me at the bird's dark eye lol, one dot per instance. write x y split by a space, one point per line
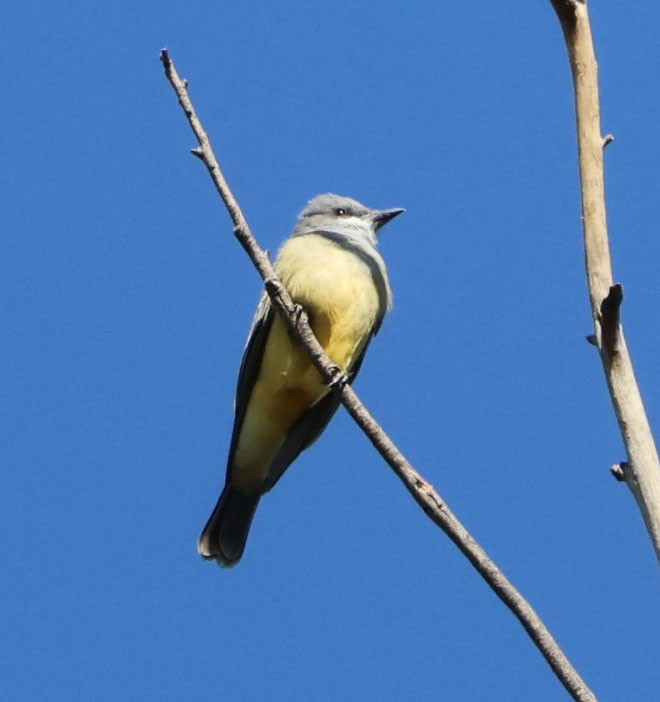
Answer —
340 212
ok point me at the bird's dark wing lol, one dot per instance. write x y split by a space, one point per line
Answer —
249 370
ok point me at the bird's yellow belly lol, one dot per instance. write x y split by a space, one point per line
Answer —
337 291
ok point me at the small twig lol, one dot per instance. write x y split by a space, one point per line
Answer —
642 472
618 470
421 490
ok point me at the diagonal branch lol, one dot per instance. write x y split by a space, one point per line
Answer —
642 470
423 492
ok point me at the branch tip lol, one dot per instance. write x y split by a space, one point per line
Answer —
566 11
197 152
607 140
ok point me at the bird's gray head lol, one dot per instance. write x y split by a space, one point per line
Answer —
343 216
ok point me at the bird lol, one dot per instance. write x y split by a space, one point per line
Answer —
331 268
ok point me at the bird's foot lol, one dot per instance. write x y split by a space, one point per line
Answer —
339 378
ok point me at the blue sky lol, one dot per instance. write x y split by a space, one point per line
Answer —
126 304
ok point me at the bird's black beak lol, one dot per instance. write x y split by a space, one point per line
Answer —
382 217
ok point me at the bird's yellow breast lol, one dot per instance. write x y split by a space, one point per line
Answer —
337 291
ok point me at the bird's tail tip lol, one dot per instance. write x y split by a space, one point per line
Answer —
225 534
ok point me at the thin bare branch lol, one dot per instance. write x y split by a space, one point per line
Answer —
642 470
421 490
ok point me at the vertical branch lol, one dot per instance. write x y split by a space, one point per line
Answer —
642 470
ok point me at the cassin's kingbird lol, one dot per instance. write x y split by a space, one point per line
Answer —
331 267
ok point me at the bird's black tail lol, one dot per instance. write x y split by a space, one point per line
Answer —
224 536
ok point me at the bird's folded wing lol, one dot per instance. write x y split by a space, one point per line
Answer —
250 366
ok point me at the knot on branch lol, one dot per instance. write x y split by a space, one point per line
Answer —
273 287
610 310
